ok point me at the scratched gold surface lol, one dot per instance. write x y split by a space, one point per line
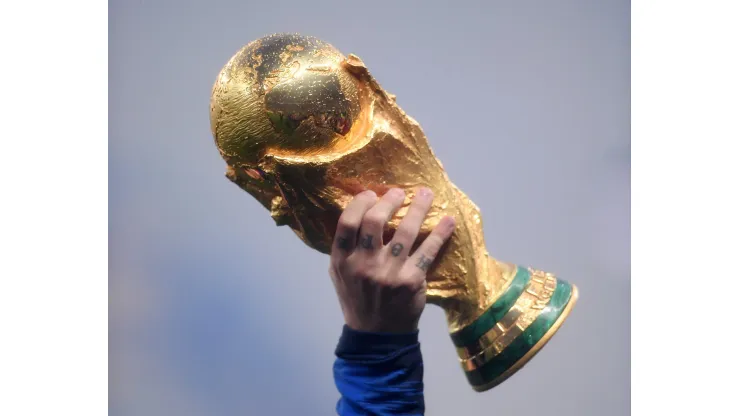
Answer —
303 129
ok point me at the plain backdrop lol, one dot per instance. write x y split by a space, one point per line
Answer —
216 311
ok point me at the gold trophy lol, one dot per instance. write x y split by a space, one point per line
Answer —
303 129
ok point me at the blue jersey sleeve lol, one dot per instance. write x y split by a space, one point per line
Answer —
379 374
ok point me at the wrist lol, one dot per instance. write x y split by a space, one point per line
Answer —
385 326
367 344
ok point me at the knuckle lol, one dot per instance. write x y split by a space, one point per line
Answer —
364 275
397 248
403 275
372 263
385 283
407 275
433 244
405 233
375 218
417 211
362 272
423 262
346 224
410 284
367 270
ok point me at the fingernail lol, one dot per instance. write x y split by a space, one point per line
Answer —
425 192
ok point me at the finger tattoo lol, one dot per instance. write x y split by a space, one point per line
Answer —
424 263
396 249
367 241
343 243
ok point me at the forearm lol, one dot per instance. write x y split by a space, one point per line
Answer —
379 374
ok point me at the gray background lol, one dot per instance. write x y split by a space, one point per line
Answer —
214 310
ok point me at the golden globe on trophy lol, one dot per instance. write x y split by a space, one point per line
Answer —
303 129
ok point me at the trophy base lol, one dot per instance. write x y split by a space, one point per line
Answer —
515 328
534 350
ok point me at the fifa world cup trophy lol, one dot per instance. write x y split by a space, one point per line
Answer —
303 129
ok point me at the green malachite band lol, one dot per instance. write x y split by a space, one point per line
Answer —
471 333
524 342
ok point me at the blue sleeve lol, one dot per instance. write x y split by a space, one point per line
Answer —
379 374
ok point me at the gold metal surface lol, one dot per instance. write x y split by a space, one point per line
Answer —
303 129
